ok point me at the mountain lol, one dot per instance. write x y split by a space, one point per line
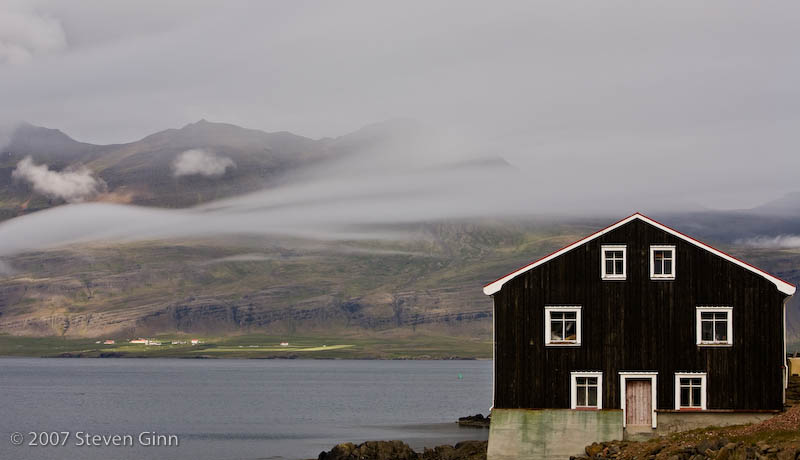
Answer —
232 285
144 172
49 145
221 286
275 285
788 204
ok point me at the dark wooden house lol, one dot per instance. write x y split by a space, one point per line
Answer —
642 319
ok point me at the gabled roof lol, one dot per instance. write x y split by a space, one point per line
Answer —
783 286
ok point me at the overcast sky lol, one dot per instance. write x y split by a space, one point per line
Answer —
693 99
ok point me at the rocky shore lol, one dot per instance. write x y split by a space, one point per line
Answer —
776 438
716 448
477 420
398 450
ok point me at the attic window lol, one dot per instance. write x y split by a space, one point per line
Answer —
690 391
662 262
714 326
562 326
612 264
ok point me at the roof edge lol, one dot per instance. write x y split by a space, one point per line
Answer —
782 285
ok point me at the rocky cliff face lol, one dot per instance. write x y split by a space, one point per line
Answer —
145 288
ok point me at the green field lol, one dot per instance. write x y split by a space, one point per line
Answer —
415 346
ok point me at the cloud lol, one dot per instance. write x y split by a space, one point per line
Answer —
25 33
201 162
349 197
772 242
348 205
601 89
71 185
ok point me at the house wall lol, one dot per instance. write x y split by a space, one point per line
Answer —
639 324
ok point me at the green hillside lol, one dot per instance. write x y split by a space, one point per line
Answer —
343 293
426 285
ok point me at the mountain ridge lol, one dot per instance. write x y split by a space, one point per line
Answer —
431 283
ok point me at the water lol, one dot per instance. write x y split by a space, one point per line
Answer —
236 409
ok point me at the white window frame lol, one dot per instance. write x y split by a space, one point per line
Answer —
623 389
661 247
574 389
703 388
578 329
613 247
699 326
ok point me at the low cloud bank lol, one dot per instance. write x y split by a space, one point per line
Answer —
201 162
772 242
370 193
335 208
72 186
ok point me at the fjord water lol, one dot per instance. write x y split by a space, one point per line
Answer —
237 409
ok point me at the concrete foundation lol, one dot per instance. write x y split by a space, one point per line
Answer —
639 433
794 366
533 434
673 422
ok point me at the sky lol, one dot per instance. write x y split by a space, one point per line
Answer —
694 101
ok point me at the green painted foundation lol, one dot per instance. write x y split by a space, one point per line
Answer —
533 434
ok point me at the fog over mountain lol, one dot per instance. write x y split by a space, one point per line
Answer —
230 180
671 103
379 159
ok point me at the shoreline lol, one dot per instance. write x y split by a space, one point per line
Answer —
254 346
243 358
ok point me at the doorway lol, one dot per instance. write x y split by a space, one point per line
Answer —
638 399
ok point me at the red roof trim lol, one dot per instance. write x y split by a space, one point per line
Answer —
763 272
559 250
790 288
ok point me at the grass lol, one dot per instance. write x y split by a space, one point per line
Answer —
412 346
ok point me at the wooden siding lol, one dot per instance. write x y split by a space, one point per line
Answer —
639 325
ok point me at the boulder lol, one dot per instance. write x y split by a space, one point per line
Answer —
398 450
475 420
465 450
370 450
594 449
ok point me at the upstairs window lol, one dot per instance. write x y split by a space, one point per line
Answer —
613 263
587 390
562 326
690 391
662 262
714 326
